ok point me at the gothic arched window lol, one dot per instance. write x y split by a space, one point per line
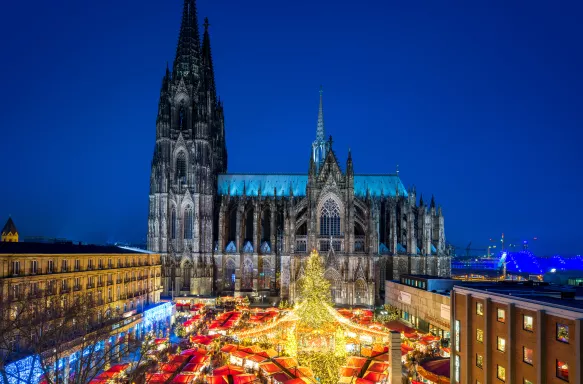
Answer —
229 281
188 223
173 224
360 292
181 118
181 167
330 219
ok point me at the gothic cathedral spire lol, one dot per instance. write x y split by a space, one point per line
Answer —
187 50
320 145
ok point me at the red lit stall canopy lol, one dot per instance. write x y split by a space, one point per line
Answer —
396 325
349 371
157 378
354 361
363 381
377 366
375 377
244 378
212 379
228 370
435 370
229 348
182 378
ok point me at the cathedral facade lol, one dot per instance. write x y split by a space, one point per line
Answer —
249 234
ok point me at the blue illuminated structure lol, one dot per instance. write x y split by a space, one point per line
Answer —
28 370
158 313
285 185
521 262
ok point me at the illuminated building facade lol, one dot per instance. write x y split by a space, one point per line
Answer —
249 234
515 333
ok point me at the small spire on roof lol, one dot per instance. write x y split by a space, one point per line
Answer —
397 169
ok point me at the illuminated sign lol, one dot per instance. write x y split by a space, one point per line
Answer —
445 310
404 297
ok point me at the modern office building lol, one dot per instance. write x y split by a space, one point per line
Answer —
423 302
516 333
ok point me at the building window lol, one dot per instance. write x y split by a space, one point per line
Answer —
479 361
480 309
33 265
50 266
64 266
501 373
188 223
527 355
181 167
172 226
16 267
563 333
562 370
501 344
77 265
480 335
330 219
527 323
457 368
501 317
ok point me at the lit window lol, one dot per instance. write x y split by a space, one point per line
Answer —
501 372
501 344
479 361
501 315
480 335
527 323
480 309
563 333
457 368
457 335
527 355
562 370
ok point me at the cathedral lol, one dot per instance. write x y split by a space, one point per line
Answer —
221 233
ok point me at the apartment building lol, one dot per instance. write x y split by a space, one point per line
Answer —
516 333
122 279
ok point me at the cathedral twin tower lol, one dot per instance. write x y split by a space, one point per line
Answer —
245 234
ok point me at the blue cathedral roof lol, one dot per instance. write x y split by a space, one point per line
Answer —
234 184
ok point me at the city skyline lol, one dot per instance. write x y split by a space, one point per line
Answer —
84 172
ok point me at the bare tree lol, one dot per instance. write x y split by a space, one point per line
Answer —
66 339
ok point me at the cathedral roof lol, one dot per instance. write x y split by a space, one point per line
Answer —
9 227
281 184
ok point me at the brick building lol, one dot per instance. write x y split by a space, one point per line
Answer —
516 334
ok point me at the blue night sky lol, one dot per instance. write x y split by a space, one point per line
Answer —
480 105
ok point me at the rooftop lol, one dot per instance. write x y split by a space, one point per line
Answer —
426 277
543 293
281 184
9 227
64 248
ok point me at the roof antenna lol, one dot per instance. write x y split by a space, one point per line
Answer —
397 169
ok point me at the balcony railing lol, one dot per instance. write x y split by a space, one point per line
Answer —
301 244
325 242
359 242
